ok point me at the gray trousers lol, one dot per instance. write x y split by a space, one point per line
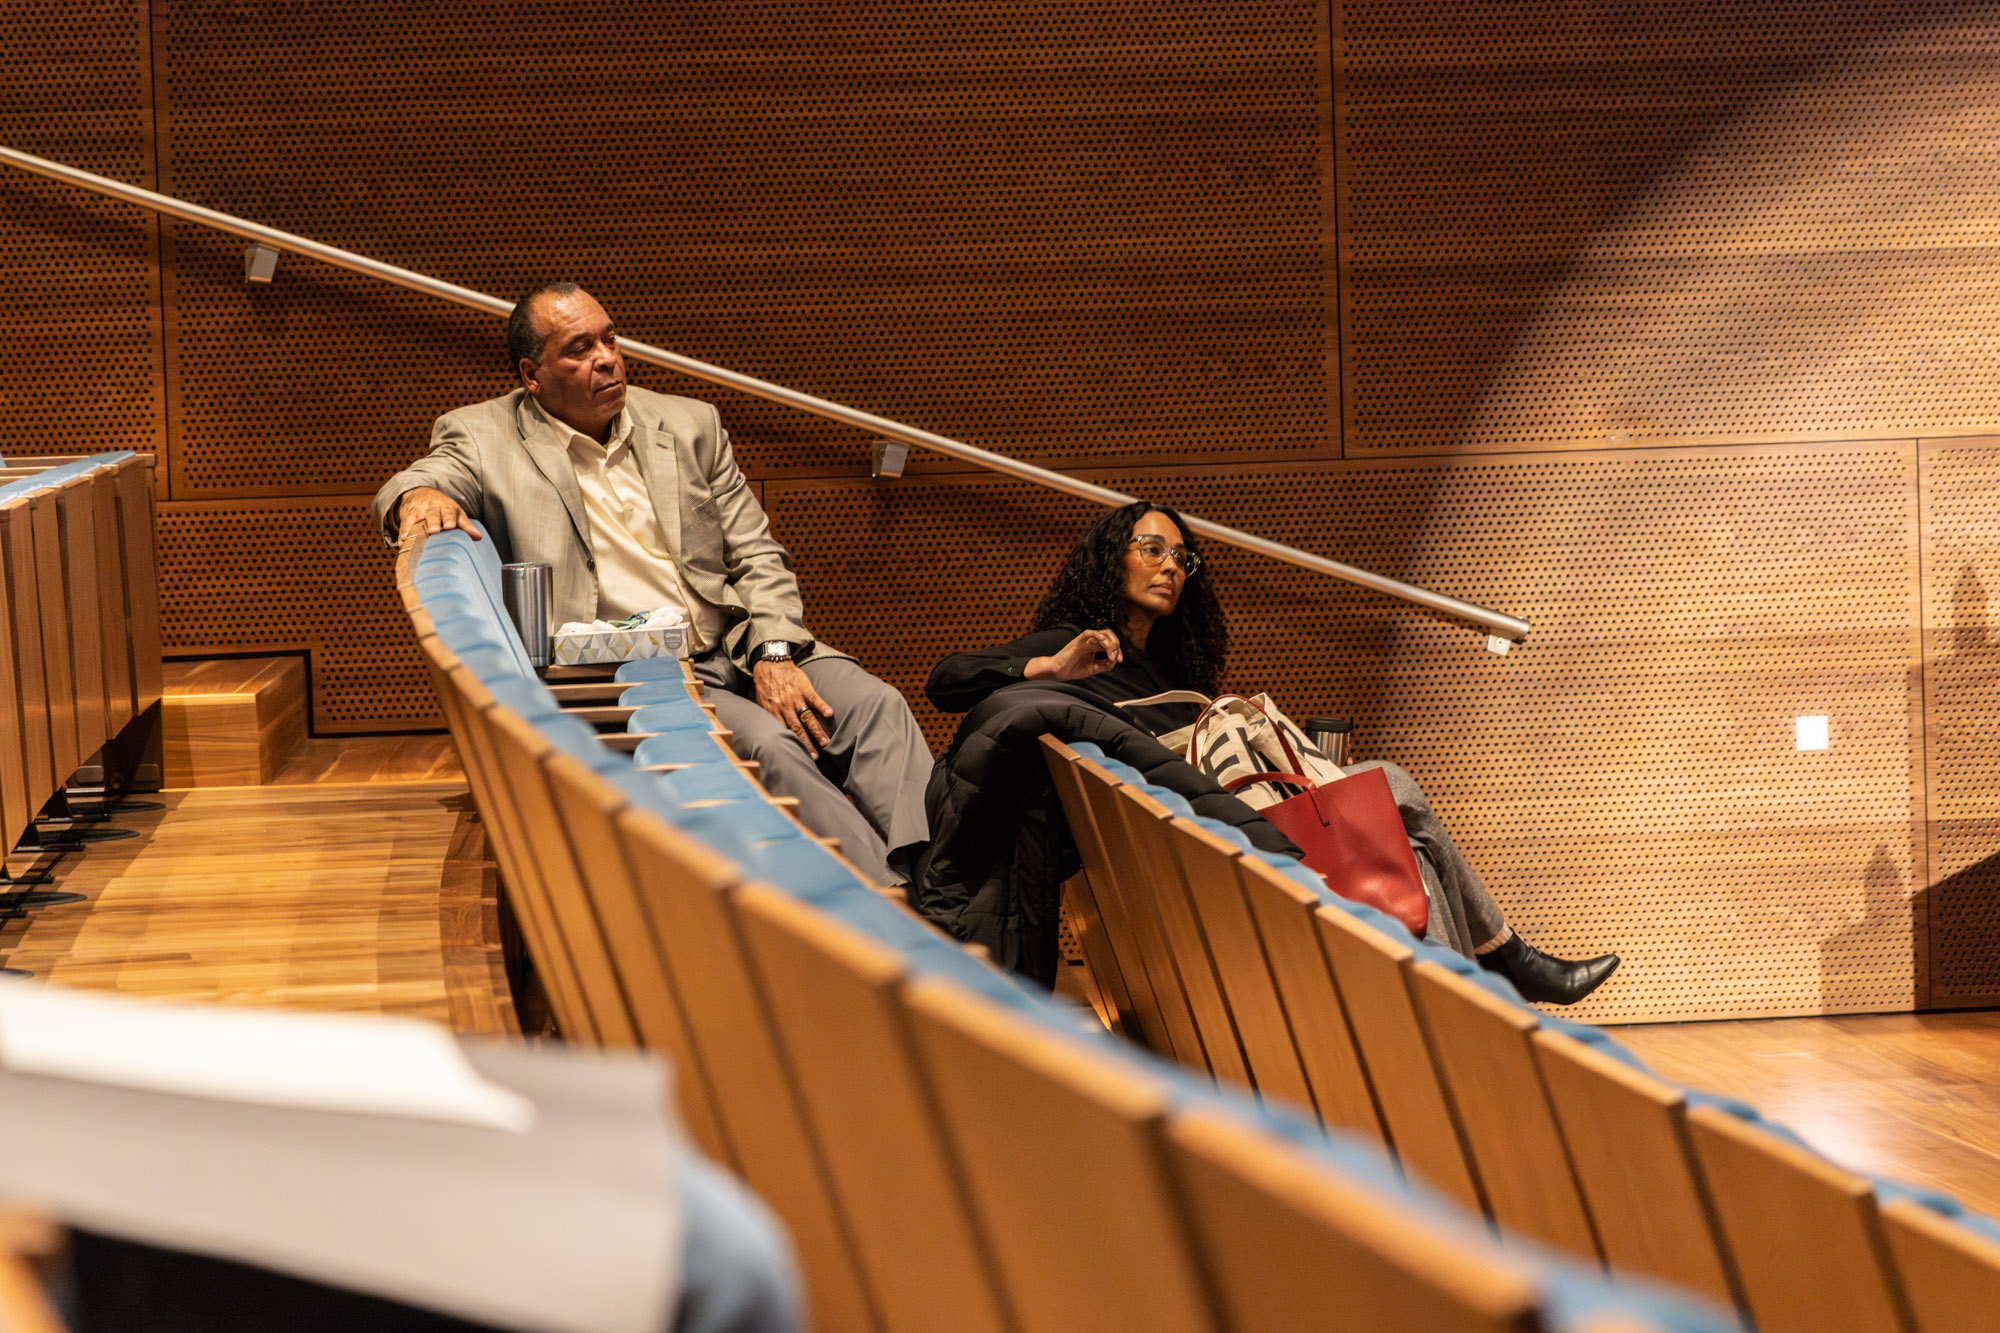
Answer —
1463 915
875 754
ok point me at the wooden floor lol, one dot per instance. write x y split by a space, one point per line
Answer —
1915 1096
417 758
320 893
354 883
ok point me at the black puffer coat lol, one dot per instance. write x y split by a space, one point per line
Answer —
1000 848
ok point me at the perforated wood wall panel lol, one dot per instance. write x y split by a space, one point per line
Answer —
1076 232
296 574
1702 221
1104 236
1627 781
77 280
1962 682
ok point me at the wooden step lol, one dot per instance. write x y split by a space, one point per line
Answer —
231 722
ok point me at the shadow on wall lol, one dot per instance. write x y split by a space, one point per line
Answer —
1851 961
1962 903
1817 267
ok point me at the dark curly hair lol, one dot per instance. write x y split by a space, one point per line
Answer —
1089 592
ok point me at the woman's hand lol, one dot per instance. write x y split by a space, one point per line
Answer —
1091 653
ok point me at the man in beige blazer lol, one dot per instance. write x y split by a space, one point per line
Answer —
635 500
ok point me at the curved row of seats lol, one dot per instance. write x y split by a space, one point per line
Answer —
79 661
948 1148
79 619
1244 966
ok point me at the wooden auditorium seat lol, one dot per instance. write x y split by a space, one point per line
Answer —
1485 1055
521 751
1950 1273
521 870
1063 1156
41 716
1140 919
589 808
59 669
1628 1143
24 752
681 884
1372 972
1805 1235
834 995
1207 866
465 702
1282 909
79 620
1142 1014
1290 1245
947 1149
1186 935
75 518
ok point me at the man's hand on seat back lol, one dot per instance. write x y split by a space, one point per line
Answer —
430 511
786 693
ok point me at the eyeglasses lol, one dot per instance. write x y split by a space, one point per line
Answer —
1154 551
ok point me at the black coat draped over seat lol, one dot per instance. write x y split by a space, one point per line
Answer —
1000 847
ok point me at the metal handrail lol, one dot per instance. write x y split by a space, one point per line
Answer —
1503 629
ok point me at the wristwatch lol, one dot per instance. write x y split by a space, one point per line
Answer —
772 650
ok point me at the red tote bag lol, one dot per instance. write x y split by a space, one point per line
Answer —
1352 833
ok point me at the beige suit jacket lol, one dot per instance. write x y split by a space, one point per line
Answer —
511 472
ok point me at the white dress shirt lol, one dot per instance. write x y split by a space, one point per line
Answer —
635 571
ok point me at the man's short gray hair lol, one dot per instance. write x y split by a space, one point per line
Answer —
524 340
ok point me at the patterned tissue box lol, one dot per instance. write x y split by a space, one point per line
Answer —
618 645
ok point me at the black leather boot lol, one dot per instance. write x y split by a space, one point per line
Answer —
1543 979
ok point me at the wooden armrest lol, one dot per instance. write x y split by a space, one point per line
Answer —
588 691
602 715
588 671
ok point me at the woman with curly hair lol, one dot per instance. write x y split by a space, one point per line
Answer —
1130 616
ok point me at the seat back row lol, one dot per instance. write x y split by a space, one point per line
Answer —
1243 966
947 1148
79 619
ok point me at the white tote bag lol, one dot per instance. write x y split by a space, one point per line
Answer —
1236 736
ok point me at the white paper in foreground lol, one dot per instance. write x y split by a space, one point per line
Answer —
324 1062
346 1152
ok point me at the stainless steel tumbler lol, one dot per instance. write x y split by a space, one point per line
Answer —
1331 735
528 590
